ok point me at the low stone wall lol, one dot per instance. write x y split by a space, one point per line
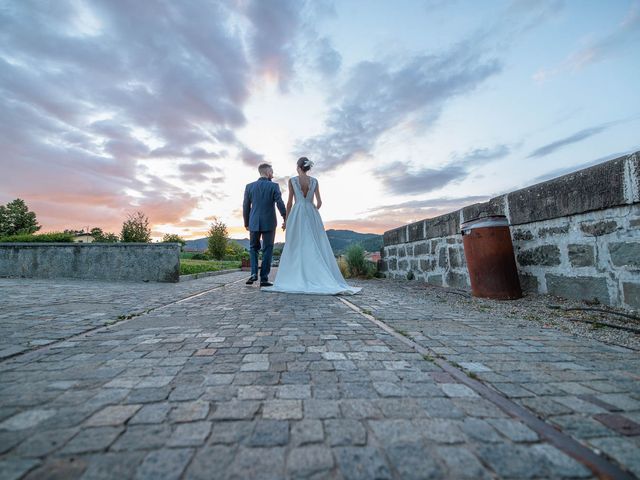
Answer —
157 262
575 236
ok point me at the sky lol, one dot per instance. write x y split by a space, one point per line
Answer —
409 109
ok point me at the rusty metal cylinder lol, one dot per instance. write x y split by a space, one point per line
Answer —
489 253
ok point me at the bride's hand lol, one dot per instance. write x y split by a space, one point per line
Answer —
319 205
284 226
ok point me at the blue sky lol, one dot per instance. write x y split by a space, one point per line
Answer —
410 109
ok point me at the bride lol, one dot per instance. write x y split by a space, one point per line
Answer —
307 264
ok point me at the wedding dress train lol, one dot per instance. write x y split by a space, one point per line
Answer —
307 264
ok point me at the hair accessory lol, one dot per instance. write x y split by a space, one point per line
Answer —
308 163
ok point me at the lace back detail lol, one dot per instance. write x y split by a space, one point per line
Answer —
298 189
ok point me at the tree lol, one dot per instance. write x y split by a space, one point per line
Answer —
234 249
136 228
109 238
16 219
174 238
217 239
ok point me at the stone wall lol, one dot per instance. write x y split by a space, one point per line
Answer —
575 236
157 262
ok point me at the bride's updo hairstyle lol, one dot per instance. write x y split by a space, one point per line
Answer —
304 164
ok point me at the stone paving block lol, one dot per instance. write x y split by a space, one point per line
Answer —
112 415
396 431
151 413
269 433
219 379
191 434
259 463
235 410
189 411
457 390
142 437
299 392
231 432
306 431
514 430
167 464
441 430
148 395
345 432
112 466
44 443
15 468
512 461
623 450
558 463
480 430
461 463
282 409
309 461
361 463
210 462
321 408
59 468
26 419
414 461
92 440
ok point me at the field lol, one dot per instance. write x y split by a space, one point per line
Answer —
188 266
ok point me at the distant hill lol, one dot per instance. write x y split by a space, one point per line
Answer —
339 240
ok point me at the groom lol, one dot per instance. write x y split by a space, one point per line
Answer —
260 219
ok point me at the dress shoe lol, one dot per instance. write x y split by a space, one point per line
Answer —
252 279
266 284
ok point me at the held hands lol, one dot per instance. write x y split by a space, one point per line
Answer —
284 225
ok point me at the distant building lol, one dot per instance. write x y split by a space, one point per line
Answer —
82 237
373 256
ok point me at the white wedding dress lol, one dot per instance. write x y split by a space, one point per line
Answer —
307 264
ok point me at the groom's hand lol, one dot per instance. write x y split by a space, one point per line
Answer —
284 226
246 228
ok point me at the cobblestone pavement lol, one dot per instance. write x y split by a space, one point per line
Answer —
236 383
582 386
34 313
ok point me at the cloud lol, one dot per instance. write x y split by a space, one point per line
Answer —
378 96
625 35
558 172
563 142
90 89
400 179
381 219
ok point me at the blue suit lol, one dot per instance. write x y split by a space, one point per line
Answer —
260 217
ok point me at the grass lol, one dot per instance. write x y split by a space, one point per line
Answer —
188 267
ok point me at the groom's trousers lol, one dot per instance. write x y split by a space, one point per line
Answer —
267 252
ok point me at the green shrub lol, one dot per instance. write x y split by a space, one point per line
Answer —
200 256
41 237
356 261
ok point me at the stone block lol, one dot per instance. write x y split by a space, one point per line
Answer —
580 288
421 249
427 265
393 264
547 255
625 254
529 283
442 258
520 235
551 231
581 255
403 265
457 280
634 223
631 292
434 247
392 252
414 264
402 252
443 226
599 228
495 206
456 257
435 280
409 250
416 231
392 237
594 188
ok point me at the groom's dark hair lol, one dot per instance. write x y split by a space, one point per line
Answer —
263 167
